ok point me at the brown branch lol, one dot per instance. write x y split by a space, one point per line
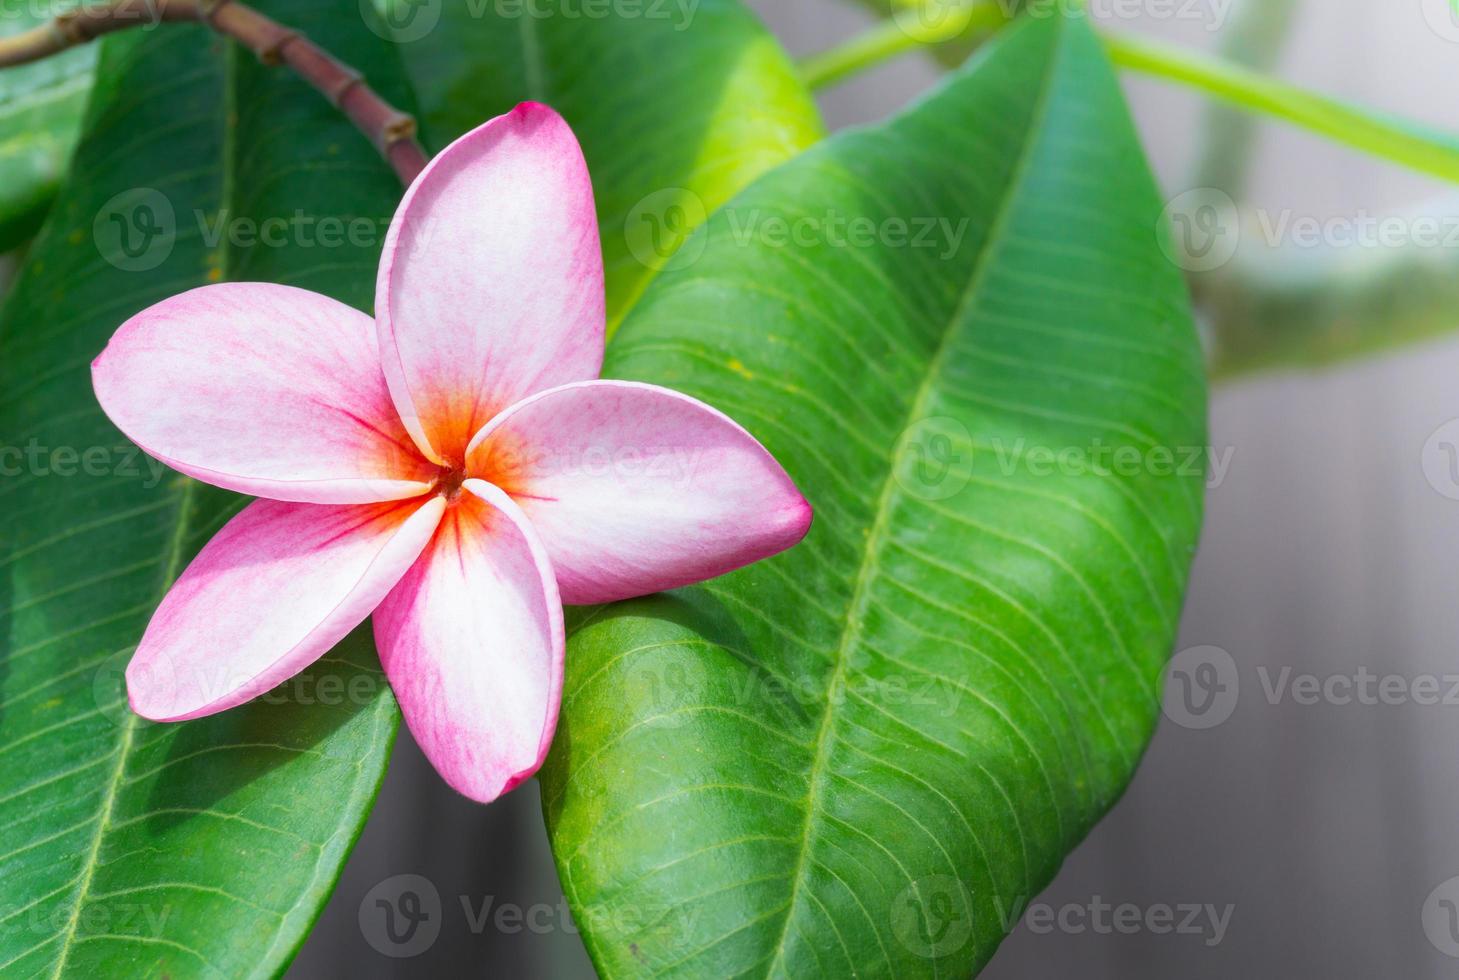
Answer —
392 131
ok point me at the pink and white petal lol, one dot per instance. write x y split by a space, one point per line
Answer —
274 590
636 488
472 641
491 282
268 390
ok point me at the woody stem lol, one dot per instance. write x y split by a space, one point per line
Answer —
390 130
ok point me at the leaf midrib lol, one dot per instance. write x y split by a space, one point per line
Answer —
175 546
867 572
124 746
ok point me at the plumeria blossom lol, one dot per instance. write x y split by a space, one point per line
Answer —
453 466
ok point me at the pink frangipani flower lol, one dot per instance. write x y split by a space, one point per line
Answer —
454 466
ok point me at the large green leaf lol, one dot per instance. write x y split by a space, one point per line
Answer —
40 112
677 109
864 756
129 849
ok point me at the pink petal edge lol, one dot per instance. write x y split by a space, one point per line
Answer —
473 641
635 488
267 390
491 282
273 591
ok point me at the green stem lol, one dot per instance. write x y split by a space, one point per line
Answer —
1395 139
1254 39
392 131
881 43
1401 141
894 37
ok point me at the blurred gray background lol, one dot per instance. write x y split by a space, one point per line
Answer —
1325 828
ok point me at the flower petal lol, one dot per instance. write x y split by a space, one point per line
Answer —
472 641
636 488
274 590
268 390
491 284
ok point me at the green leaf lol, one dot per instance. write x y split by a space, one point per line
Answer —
207 848
40 112
677 110
864 757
